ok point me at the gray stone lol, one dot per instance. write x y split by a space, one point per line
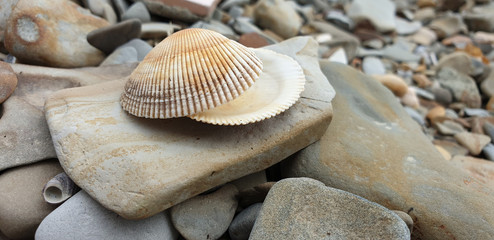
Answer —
121 55
340 38
172 12
480 18
80 217
460 61
120 6
243 26
242 224
22 207
388 160
448 25
448 127
397 53
381 13
415 115
476 112
216 26
463 87
137 10
5 10
339 19
8 81
488 151
142 48
226 5
404 27
255 194
178 166
441 95
489 129
158 30
278 16
24 134
304 208
406 218
51 37
236 11
206 216
487 85
474 142
103 9
373 65
109 38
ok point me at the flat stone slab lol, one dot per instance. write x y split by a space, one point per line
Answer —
25 137
138 167
373 149
304 208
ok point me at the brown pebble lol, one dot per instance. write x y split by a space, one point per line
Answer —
8 81
422 80
253 40
426 3
438 111
490 104
394 83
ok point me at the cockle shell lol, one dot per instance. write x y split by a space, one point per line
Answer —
189 72
278 87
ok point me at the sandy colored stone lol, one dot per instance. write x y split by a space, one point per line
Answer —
304 208
138 167
422 80
472 141
438 111
394 83
490 104
460 61
22 207
443 152
24 134
52 33
278 16
410 98
374 149
8 81
481 169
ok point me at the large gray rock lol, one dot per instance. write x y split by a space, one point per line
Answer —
25 135
304 208
54 34
102 147
373 149
82 218
23 207
206 216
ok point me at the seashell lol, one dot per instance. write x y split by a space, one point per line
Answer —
278 87
59 189
189 72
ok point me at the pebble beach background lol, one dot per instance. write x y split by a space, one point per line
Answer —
398 145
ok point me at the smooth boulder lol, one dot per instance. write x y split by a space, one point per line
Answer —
372 148
304 208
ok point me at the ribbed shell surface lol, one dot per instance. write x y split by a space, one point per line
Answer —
189 72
